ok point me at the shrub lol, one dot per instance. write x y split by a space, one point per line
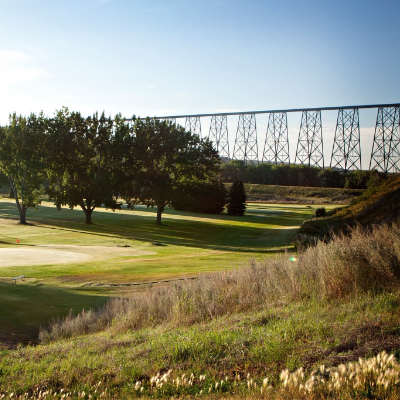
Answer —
320 212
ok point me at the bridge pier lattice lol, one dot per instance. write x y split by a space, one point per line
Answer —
193 125
310 146
276 148
219 135
246 147
385 153
171 120
346 151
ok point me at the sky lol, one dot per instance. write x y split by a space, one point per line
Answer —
176 57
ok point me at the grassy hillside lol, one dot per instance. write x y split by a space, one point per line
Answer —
299 194
235 333
378 204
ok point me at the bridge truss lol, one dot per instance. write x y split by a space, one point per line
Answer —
346 151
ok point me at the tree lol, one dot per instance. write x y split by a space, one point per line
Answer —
331 178
21 159
80 165
168 157
234 170
237 199
208 197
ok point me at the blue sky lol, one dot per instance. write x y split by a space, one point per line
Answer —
161 57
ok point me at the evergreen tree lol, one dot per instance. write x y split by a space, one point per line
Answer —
237 199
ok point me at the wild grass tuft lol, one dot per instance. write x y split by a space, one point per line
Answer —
365 261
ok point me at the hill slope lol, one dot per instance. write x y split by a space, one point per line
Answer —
377 205
225 334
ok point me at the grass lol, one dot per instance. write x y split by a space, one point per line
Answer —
193 244
24 308
378 204
325 272
300 194
225 334
260 343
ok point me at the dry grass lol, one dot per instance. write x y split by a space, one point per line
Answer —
362 262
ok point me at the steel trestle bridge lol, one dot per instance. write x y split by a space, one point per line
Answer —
346 151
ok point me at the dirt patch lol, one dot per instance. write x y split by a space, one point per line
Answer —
62 254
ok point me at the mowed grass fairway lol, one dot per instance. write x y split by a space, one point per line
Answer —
59 254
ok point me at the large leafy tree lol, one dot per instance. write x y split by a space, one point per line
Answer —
80 162
21 159
166 156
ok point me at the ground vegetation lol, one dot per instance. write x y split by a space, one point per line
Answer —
311 328
380 203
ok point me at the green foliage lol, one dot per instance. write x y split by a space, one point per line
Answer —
80 163
21 159
286 175
363 179
202 197
167 158
236 199
297 175
320 212
332 178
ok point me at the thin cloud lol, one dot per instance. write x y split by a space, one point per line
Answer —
150 86
13 68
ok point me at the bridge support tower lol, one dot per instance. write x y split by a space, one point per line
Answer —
219 135
310 146
193 125
246 147
276 148
385 154
346 151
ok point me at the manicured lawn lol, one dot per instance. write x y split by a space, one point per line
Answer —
190 244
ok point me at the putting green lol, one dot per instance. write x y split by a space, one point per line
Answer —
61 254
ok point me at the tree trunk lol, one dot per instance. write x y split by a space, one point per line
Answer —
21 207
22 215
88 213
160 210
87 209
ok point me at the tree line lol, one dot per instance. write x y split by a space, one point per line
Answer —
93 161
297 175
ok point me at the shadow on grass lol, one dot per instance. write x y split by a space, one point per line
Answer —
26 307
249 233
